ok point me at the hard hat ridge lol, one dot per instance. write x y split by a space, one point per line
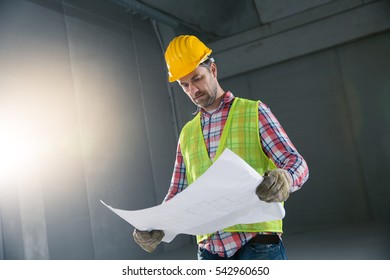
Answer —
183 55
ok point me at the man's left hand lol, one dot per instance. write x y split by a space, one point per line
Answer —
275 186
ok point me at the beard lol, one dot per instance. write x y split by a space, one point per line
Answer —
209 97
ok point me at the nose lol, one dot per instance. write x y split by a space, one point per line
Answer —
193 89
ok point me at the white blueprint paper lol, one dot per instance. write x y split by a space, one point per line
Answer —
223 196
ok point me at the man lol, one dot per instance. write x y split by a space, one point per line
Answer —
246 127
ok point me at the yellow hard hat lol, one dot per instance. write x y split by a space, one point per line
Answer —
183 55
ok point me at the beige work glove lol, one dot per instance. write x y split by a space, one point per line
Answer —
275 186
148 240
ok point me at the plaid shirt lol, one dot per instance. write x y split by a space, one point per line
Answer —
276 145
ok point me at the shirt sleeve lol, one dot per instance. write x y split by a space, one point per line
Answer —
178 181
278 147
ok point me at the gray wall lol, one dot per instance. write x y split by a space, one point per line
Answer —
332 105
87 87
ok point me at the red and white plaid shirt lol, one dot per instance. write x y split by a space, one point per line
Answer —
276 145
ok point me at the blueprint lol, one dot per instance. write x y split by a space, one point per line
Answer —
223 196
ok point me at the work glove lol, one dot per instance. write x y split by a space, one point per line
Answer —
275 186
148 240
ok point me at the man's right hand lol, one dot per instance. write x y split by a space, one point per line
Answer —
148 240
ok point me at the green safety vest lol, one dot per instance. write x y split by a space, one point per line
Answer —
241 135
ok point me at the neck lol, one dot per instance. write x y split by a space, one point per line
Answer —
210 111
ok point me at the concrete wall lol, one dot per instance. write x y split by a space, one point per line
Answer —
86 92
331 104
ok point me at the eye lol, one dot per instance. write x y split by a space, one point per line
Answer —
197 78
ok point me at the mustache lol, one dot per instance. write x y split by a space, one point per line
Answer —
198 94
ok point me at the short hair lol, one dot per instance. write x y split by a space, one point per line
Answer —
207 63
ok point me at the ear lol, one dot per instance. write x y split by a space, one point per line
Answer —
213 69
